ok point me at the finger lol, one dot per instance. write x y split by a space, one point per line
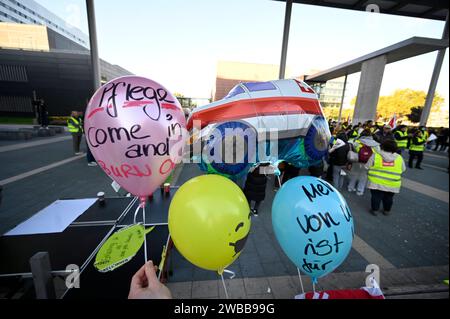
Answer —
150 272
138 278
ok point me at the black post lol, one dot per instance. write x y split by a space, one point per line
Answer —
287 23
42 276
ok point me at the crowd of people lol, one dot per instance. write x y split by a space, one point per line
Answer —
365 156
371 154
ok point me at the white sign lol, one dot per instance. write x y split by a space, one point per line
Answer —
54 218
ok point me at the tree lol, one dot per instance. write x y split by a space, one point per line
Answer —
331 112
416 113
402 101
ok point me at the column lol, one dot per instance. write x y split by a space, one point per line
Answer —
369 89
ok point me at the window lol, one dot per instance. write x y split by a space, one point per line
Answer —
259 86
16 104
235 91
13 73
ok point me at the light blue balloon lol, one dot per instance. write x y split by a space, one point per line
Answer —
313 224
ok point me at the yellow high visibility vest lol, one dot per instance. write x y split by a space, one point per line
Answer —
402 143
357 144
74 125
387 174
418 147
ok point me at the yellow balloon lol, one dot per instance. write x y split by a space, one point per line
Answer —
209 221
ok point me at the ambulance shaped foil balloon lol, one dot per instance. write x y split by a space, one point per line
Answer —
135 129
271 121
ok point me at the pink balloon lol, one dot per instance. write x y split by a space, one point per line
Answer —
135 130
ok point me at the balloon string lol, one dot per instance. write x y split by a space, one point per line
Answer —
301 281
224 286
232 273
135 214
145 236
314 287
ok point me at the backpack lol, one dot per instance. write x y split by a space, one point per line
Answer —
364 154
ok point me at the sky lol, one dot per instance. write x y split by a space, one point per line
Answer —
178 43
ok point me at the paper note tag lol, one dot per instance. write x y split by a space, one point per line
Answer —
115 186
120 247
163 258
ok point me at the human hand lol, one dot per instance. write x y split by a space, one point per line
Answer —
145 284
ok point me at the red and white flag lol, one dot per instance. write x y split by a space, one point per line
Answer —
393 122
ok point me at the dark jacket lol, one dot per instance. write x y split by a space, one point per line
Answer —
398 137
339 156
255 187
44 115
380 137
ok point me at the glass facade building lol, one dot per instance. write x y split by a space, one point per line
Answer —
330 93
31 12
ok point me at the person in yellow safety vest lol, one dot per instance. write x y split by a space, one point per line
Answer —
358 173
344 126
425 133
373 127
75 126
416 148
385 174
353 134
401 137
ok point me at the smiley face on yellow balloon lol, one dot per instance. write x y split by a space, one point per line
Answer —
209 221
239 244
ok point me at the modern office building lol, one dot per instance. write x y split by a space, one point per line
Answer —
38 62
63 79
31 12
34 37
330 93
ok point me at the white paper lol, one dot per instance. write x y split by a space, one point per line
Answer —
115 186
54 218
432 138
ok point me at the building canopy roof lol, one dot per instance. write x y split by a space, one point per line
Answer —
399 51
428 9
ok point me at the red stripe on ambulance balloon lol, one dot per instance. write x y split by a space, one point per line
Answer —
248 108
